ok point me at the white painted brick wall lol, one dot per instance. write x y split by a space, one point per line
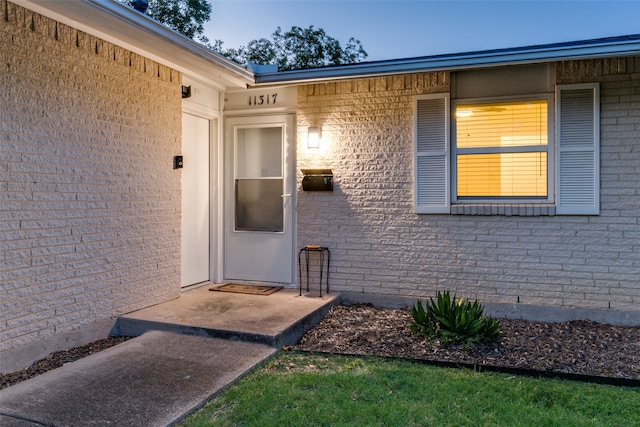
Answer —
378 245
89 203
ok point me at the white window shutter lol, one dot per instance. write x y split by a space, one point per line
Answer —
431 164
578 149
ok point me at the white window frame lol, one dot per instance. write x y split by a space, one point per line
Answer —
574 141
550 150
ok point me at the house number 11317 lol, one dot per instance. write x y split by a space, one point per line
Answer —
268 99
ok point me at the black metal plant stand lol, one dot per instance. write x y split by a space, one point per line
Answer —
307 250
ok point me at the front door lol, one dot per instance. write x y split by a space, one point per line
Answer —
195 199
258 198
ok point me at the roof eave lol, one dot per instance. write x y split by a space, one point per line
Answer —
119 24
600 48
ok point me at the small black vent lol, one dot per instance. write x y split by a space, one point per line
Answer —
140 5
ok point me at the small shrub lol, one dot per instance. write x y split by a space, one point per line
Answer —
453 320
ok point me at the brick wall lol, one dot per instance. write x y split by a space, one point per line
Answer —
89 203
379 246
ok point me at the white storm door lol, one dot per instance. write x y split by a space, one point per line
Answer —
258 198
195 199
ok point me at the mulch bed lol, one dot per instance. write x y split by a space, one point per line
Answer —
57 359
576 347
580 348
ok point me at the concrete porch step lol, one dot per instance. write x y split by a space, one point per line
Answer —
175 365
277 320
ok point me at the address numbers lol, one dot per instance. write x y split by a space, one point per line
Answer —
267 99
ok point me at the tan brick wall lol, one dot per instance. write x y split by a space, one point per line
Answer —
89 203
378 245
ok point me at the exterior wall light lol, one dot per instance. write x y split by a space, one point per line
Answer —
313 137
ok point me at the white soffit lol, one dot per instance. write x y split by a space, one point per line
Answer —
123 26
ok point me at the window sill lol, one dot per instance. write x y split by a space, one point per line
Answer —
504 209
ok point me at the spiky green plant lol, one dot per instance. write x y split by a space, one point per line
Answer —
453 320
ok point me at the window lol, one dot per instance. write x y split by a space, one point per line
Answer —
515 153
502 150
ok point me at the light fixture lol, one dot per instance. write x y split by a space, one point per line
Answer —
313 137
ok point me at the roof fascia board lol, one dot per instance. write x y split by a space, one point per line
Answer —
117 23
602 48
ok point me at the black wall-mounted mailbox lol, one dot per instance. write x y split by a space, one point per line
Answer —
317 180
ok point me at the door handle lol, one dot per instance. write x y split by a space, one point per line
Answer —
285 195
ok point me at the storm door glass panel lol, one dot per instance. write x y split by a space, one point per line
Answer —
259 180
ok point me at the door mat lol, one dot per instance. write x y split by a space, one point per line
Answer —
246 289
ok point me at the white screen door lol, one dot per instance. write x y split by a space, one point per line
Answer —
258 199
195 200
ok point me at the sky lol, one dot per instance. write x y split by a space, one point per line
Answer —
405 29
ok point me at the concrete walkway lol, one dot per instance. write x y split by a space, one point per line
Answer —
189 350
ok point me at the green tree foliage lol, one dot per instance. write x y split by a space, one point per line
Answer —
185 16
297 48
294 49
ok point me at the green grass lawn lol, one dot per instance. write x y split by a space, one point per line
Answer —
300 389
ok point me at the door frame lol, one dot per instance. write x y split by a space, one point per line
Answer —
216 173
196 247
